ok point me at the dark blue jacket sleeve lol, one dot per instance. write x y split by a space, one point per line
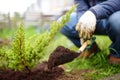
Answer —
81 8
106 8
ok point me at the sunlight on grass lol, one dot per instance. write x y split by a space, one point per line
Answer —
9 33
103 42
6 33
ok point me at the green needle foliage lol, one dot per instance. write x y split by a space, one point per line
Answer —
26 53
2 58
16 56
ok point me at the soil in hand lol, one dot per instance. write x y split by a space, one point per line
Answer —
60 56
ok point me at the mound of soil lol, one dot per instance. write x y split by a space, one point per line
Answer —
37 74
60 56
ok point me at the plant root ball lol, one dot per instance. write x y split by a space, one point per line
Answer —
60 56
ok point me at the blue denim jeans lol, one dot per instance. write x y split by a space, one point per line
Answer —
109 26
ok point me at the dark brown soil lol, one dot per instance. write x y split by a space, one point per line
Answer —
75 75
60 56
36 74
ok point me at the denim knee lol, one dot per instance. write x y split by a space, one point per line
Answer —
69 28
72 35
113 25
113 30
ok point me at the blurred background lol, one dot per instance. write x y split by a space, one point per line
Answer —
35 14
32 12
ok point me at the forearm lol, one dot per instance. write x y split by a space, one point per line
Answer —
106 8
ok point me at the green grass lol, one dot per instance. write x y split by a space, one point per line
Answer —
9 33
6 33
99 63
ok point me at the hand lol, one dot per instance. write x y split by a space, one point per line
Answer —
86 25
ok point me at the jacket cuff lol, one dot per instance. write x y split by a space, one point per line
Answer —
99 12
94 12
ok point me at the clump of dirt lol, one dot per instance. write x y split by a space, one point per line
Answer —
60 56
37 74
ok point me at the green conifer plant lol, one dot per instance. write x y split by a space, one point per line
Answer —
26 53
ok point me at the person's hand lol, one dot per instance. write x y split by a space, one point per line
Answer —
86 25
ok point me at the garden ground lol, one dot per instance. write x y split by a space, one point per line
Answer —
56 74
94 68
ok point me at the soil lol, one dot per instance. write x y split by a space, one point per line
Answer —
38 74
60 56
57 73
